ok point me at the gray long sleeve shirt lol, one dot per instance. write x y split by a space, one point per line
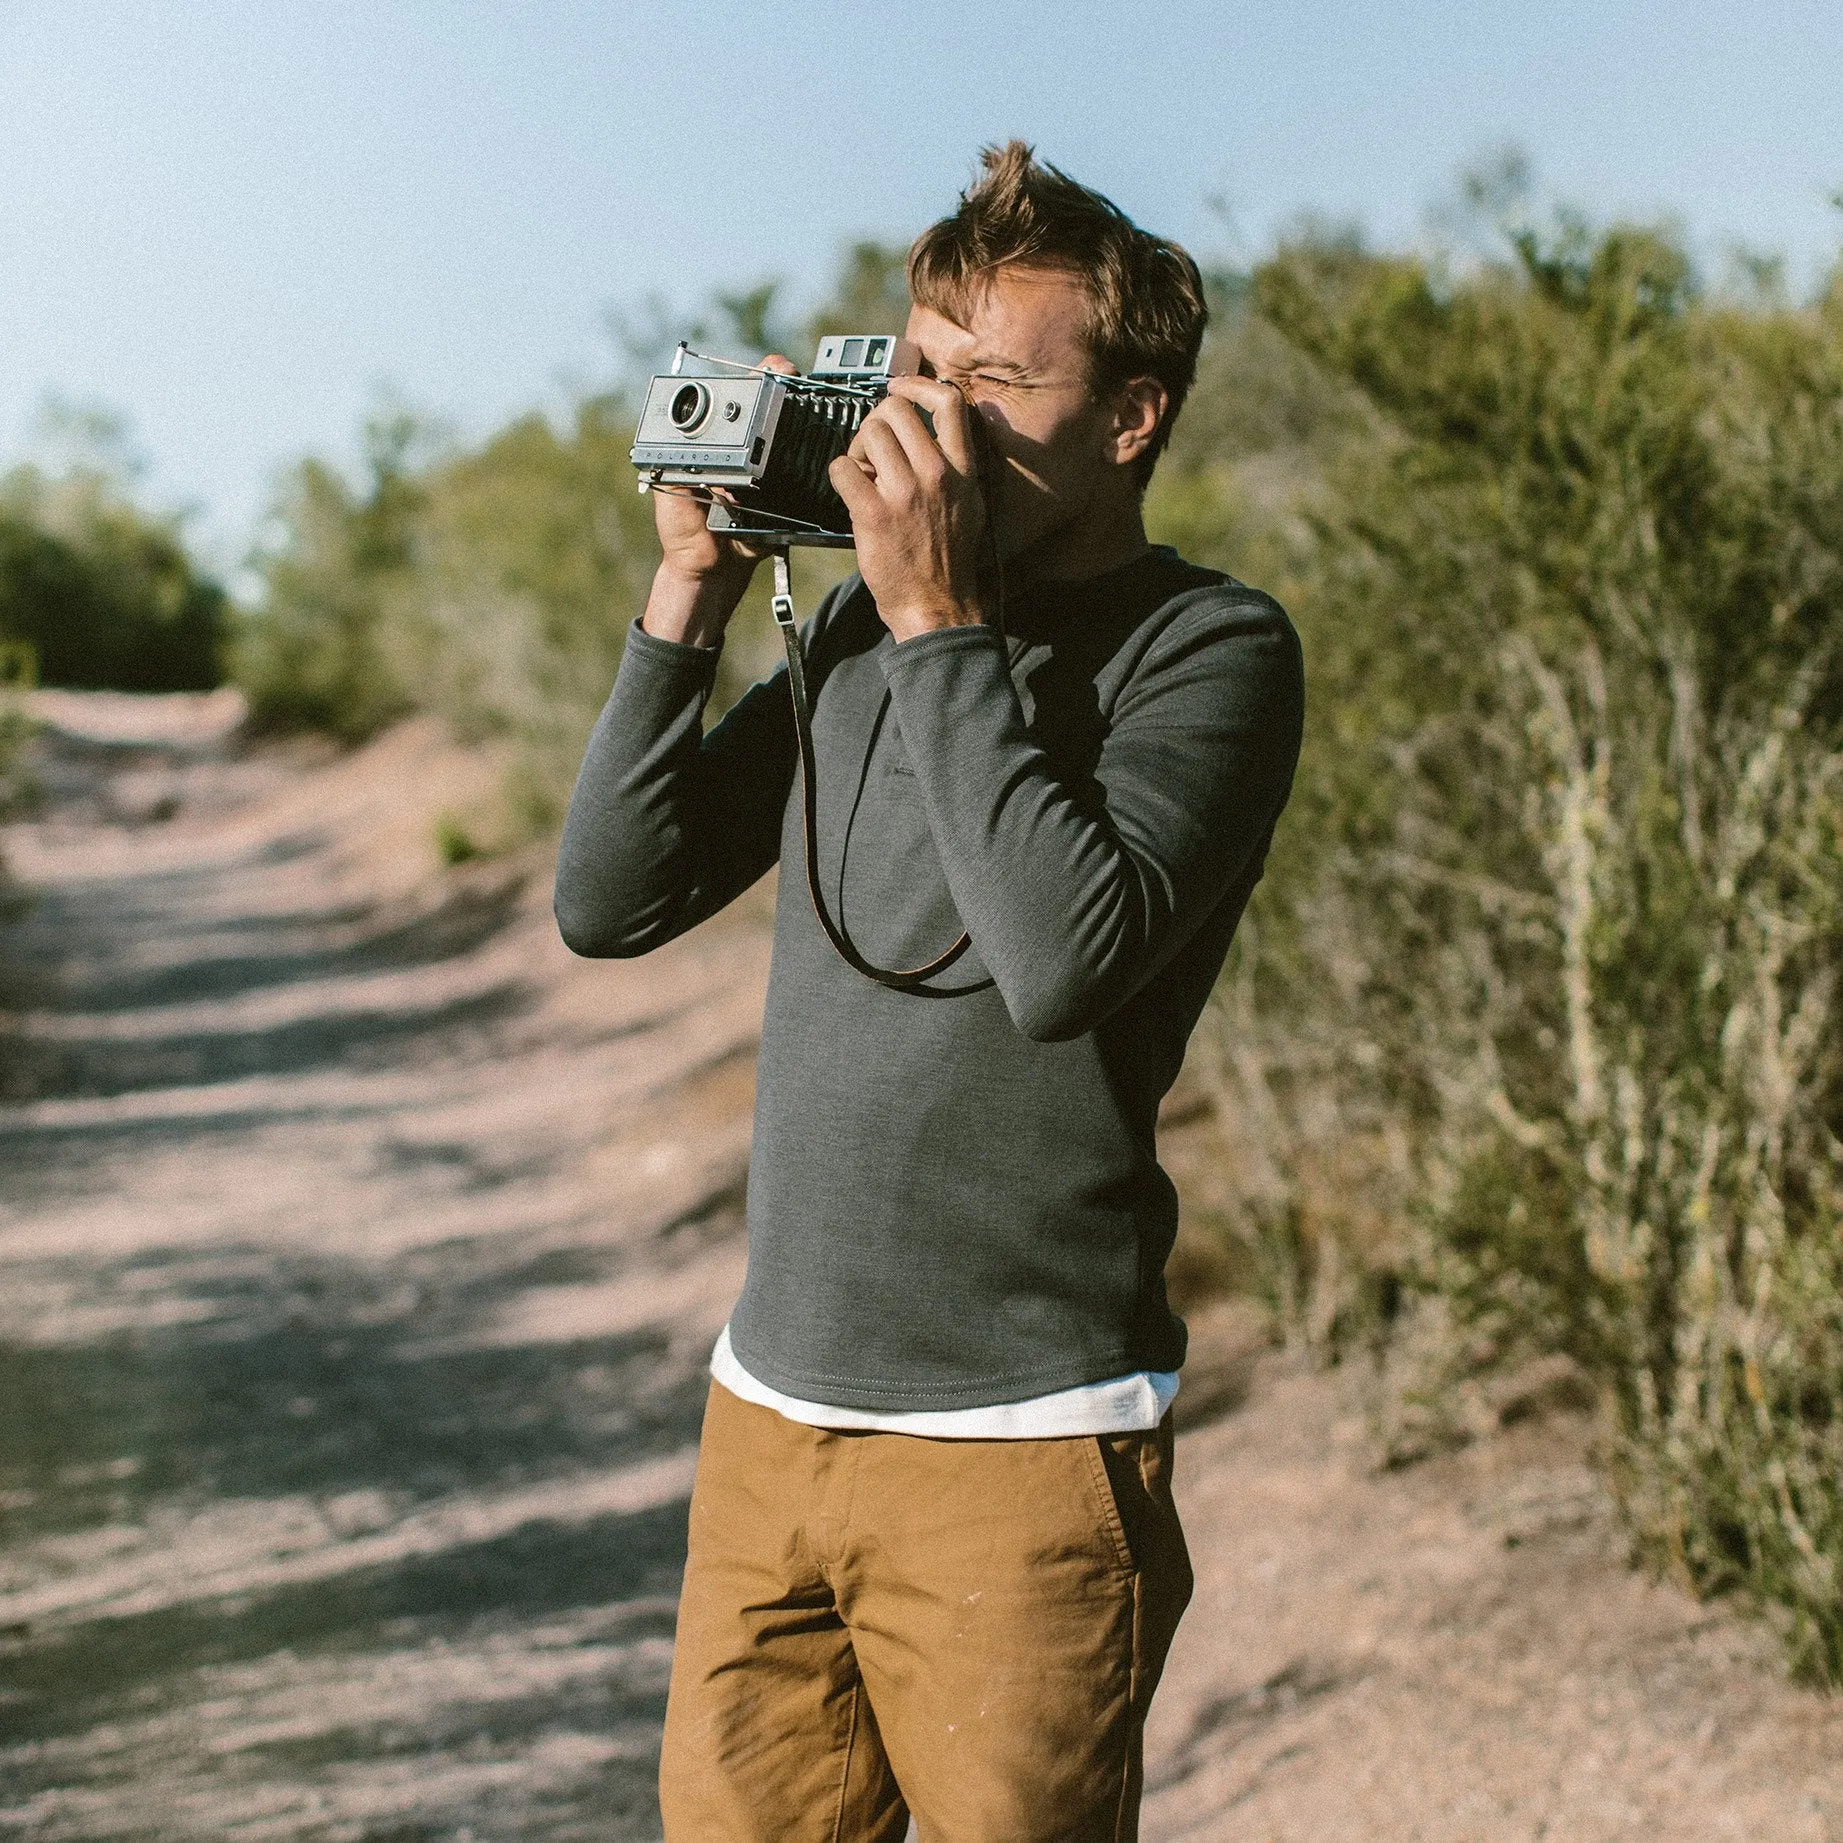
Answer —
955 1198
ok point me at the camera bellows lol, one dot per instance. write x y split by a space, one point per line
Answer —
816 427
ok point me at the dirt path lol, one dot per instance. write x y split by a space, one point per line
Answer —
359 1258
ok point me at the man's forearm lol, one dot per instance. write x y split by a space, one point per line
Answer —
667 824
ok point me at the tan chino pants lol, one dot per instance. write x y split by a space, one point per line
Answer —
874 1624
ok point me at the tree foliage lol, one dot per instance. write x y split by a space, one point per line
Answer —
105 596
1550 967
316 652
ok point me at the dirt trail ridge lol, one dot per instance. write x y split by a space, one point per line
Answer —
360 1254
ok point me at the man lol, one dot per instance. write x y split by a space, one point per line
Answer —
934 1565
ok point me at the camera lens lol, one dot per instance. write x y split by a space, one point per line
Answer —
690 405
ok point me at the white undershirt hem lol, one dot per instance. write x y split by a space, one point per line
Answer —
1122 1404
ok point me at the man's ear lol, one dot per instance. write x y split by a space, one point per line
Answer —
1139 409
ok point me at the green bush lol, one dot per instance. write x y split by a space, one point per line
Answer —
104 595
531 557
315 652
1540 1013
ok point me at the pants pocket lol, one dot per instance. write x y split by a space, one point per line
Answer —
1137 1468
1107 1505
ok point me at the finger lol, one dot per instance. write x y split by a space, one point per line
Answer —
933 394
878 444
775 362
952 421
677 515
854 484
923 453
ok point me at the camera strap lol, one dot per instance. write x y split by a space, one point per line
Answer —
907 980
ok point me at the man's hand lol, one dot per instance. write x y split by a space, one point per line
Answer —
702 575
916 509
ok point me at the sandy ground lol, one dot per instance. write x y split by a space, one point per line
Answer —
359 1257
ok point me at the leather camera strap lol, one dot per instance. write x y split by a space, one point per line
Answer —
905 980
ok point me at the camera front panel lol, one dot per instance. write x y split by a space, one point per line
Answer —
707 431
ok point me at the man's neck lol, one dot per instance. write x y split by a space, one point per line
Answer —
1088 545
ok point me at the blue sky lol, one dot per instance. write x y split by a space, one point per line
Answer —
240 221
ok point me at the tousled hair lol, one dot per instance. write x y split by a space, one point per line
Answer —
1146 310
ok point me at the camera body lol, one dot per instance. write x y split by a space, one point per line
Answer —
766 439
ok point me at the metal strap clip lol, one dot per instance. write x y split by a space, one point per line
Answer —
783 602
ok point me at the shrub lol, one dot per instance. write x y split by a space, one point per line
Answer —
531 557
104 595
314 652
1549 964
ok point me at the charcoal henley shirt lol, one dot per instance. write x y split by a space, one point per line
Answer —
954 1196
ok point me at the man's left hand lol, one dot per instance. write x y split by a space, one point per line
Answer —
917 512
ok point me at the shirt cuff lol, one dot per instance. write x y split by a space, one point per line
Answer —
671 655
942 641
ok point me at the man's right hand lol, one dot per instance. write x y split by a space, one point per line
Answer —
702 575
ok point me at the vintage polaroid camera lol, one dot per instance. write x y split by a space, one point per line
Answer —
767 439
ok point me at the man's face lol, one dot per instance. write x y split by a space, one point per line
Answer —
1022 362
